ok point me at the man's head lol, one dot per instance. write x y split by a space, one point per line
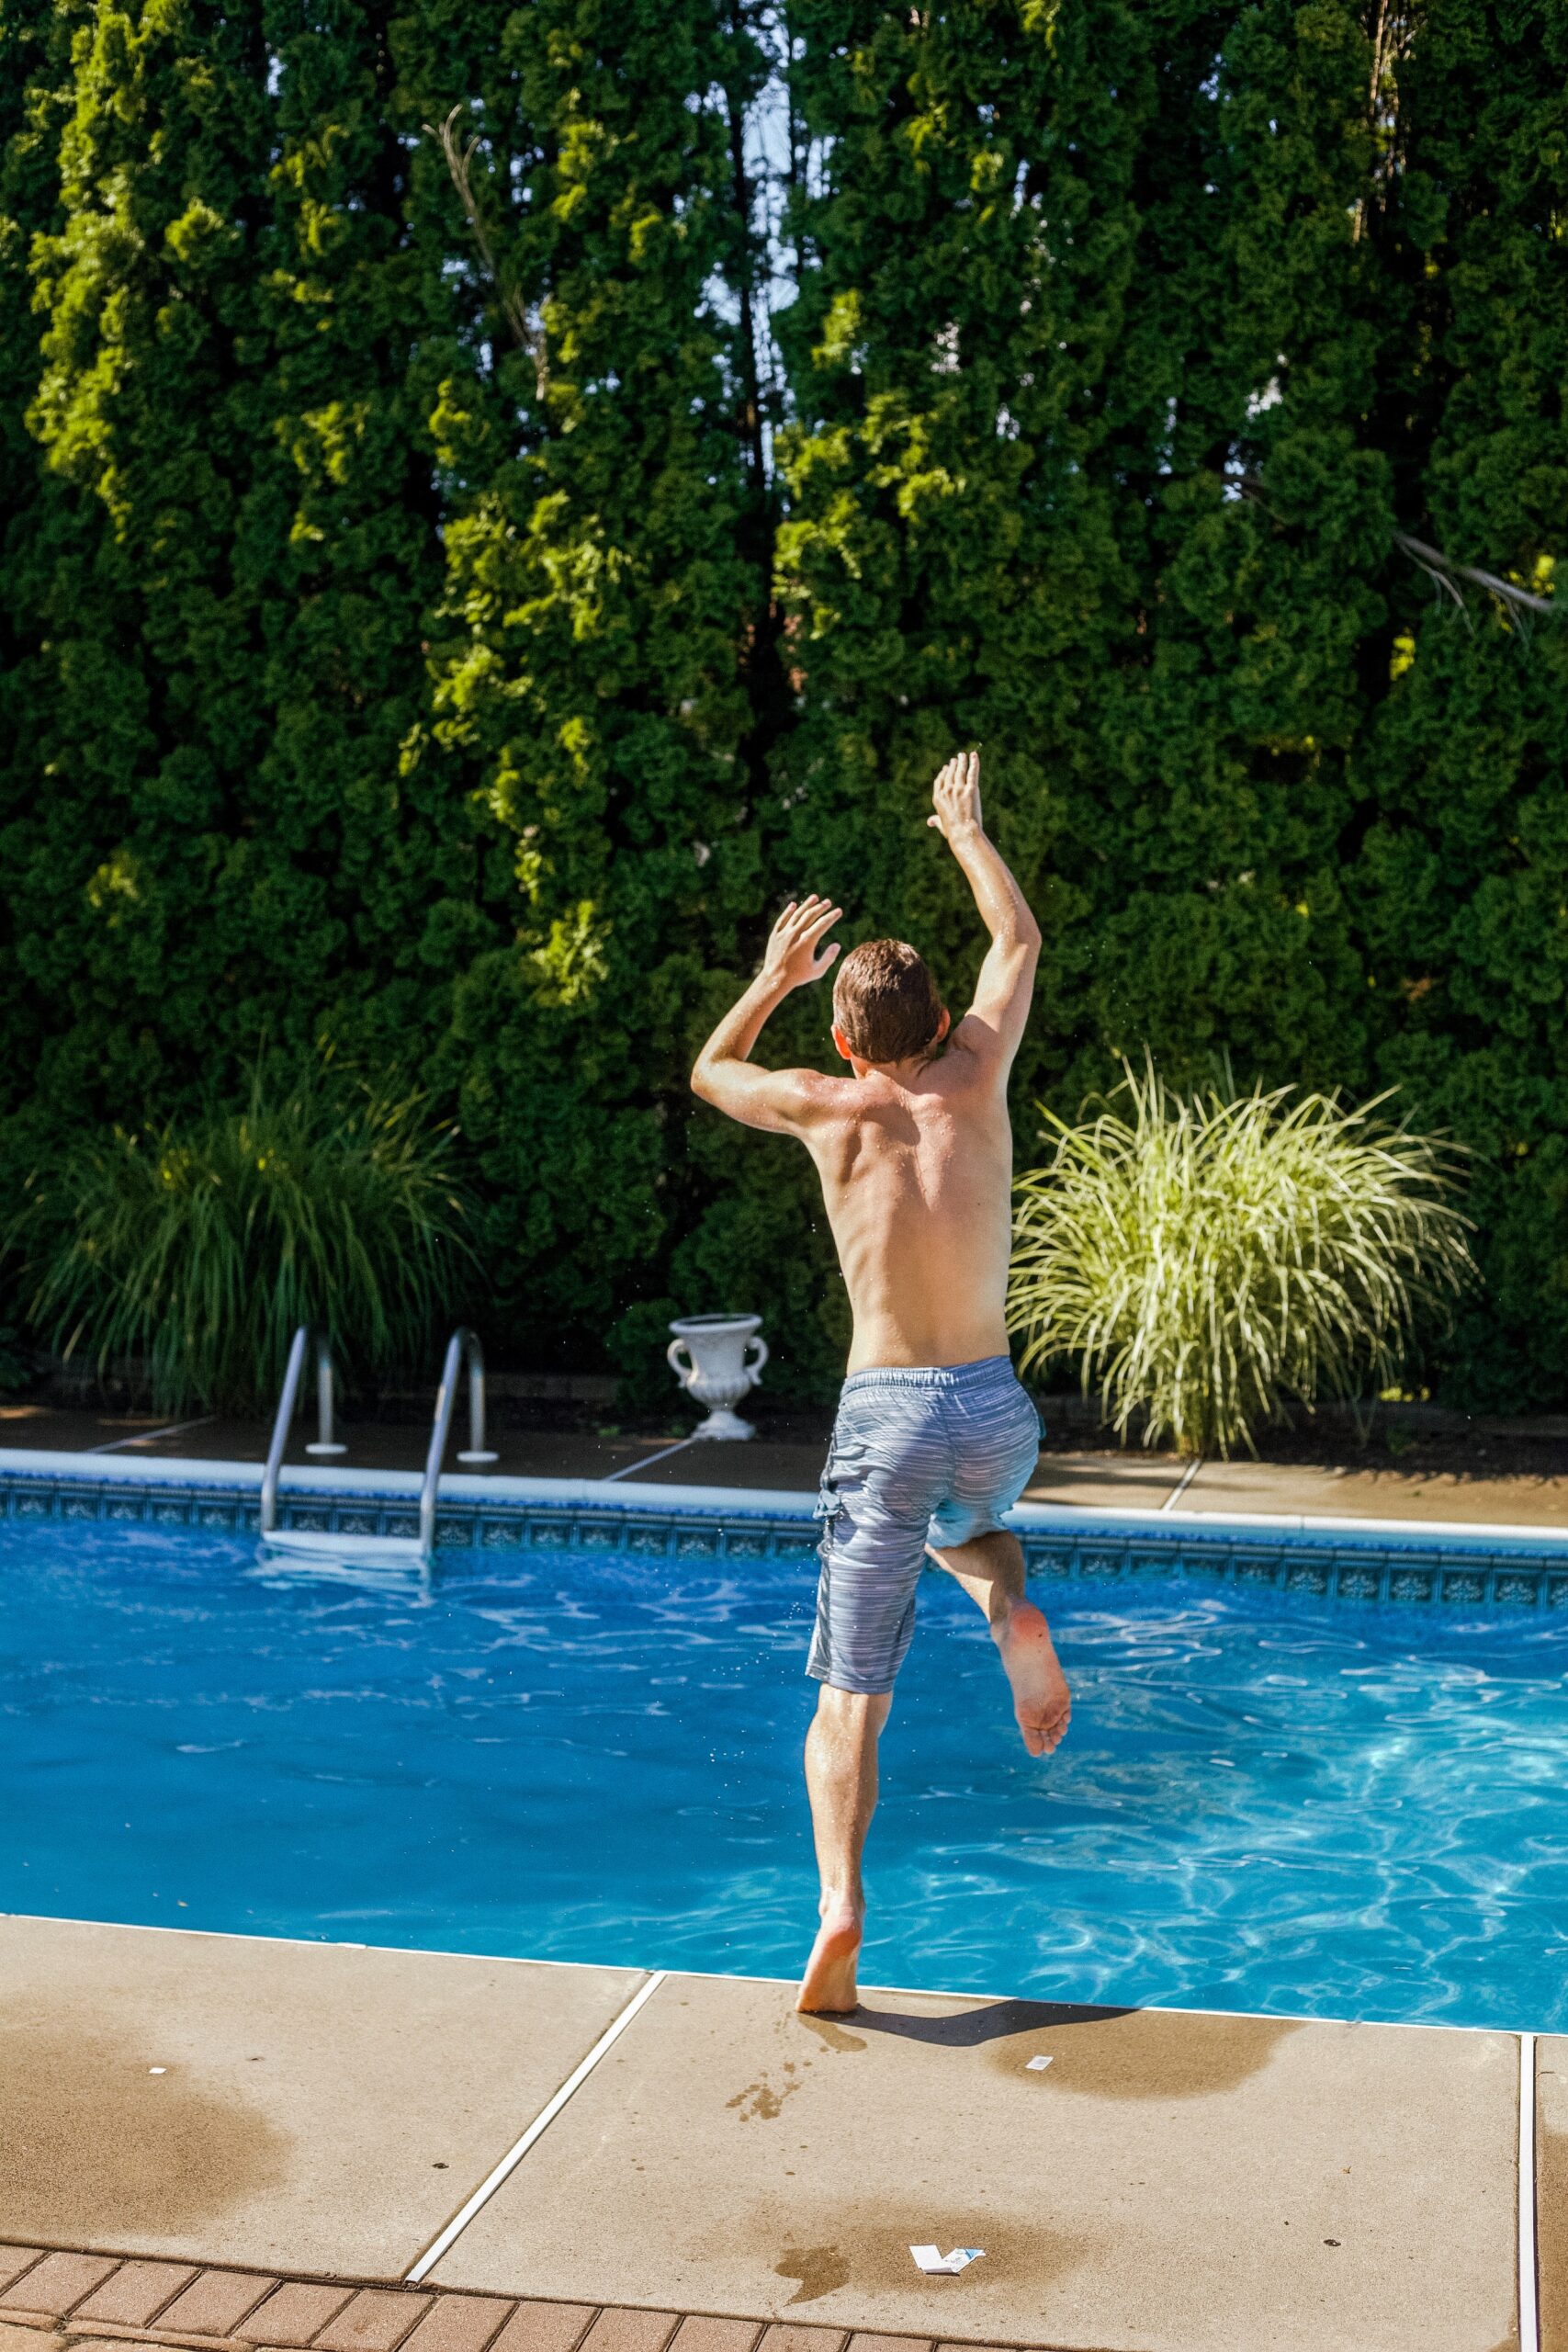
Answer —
886 1007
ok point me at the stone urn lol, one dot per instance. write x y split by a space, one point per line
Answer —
717 1359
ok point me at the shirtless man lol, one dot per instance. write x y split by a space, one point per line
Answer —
934 1439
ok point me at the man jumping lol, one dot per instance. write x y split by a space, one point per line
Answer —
934 1439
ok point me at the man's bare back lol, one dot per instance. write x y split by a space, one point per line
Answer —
934 1439
917 1177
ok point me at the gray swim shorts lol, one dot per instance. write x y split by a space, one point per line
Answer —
919 1455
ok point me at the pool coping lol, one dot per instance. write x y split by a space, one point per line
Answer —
647 1968
668 1498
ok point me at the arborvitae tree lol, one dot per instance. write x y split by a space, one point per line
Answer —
1462 888
228 852
35 101
601 655
377 881
161 158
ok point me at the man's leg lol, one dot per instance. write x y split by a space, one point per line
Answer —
990 1568
840 1779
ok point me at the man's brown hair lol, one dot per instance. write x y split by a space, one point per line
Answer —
885 1001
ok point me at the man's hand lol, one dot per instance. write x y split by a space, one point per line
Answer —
784 1100
994 1024
956 794
792 960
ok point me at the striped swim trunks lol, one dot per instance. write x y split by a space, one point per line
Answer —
920 1454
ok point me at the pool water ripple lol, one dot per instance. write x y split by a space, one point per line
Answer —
1263 1803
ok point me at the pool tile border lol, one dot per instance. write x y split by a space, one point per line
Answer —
1479 1570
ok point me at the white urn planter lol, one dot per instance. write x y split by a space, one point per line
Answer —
718 1359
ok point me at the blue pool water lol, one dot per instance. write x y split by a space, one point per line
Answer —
1262 1805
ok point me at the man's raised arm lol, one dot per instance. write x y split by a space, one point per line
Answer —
724 1074
995 1022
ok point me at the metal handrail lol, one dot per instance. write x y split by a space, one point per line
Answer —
462 1342
477 1450
284 1415
324 1440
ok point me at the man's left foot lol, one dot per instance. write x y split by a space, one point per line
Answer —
1041 1698
828 1988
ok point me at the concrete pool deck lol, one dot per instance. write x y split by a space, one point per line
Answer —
190 2122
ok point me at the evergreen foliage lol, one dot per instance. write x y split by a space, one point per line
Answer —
600 649
444 616
212 838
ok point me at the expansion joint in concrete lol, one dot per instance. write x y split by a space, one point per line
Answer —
537 2130
1529 2314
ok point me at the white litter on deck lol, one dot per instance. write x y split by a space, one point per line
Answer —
1037 2065
934 2264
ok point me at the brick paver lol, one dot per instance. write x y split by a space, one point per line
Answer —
95 2333
116 2343
716 2336
16 2335
459 2323
137 2293
294 2313
623 2331
54 2285
546 2327
376 2320
217 2300
89 2299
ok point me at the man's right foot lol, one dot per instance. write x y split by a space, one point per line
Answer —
1041 1698
828 1988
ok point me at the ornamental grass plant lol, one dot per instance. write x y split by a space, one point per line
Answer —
1209 1259
195 1251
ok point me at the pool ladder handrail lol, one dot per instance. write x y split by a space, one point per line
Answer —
283 1419
463 1344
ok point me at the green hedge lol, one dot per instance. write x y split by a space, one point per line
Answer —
449 632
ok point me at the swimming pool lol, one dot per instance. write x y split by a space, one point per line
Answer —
591 1755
